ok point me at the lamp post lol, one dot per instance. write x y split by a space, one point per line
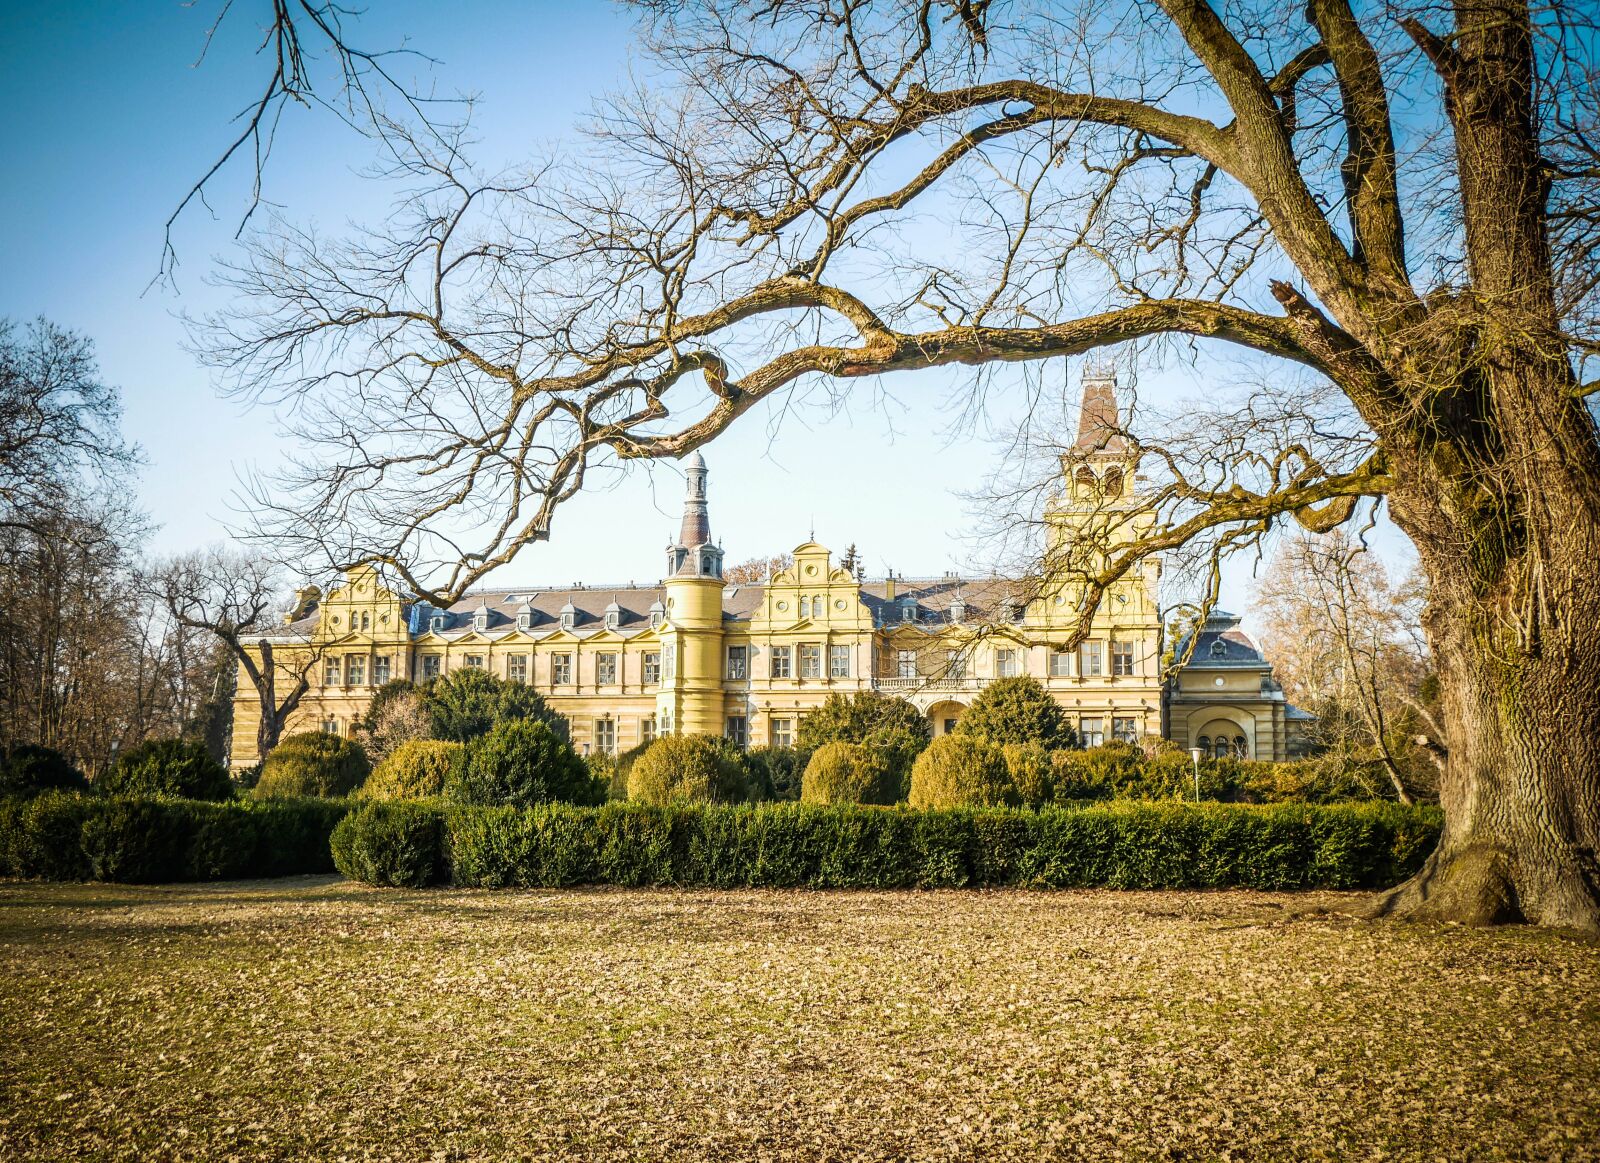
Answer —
1195 753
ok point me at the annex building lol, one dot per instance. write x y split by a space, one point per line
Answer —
694 654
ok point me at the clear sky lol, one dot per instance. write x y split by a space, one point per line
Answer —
108 120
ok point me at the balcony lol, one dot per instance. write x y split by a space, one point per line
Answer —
928 683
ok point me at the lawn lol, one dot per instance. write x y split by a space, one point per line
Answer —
315 1018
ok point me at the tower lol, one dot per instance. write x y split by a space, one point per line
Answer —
1097 505
691 699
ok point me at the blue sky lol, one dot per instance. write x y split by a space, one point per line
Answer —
108 121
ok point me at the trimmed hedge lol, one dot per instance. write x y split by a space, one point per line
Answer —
1133 846
61 836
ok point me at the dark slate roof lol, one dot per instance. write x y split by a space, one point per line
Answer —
589 605
1222 645
933 598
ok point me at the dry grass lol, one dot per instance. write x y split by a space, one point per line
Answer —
314 1018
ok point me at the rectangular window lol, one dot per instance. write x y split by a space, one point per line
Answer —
783 732
605 669
738 660
838 662
1005 663
779 666
355 669
652 669
380 670
605 736
561 669
955 665
1125 730
330 726
1091 732
1060 664
810 660
669 662
1091 659
475 661
517 668
738 732
430 666
1122 658
647 729
907 663
331 672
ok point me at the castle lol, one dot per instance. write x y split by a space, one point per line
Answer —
694 654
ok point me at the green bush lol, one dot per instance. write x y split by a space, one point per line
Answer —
467 704
521 763
848 773
959 771
63 836
1017 710
312 764
167 767
26 770
1029 767
416 770
687 768
1122 845
891 726
774 773
396 845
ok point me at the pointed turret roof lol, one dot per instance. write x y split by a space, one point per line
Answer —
1099 422
695 528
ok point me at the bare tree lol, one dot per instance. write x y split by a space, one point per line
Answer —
1101 175
234 597
1342 643
757 569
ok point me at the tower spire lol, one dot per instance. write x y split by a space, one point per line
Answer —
1099 422
694 555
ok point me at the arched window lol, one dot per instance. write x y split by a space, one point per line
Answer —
1222 749
366 620
525 620
1240 747
1219 648
805 607
613 616
436 623
569 616
1113 486
1087 484
1205 744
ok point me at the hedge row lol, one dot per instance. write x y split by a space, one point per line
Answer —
1149 846
64 836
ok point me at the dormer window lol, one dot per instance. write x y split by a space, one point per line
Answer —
525 620
958 610
657 616
1219 649
569 616
908 611
436 623
480 620
613 616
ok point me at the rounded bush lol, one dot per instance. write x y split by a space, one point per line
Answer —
1029 768
844 773
958 771
169 768
312 764
522 762
891 726
468 703
1018 710
415 771
391 844
26 770
696 768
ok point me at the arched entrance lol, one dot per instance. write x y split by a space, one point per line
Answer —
1221 738
943 716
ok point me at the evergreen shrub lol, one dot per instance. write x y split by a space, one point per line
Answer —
64 836
1030 769
167 767
415 770
847 773
468 703
1119 845
689 769
890 726
27 769
312 764
775 773
521 763
393 844
960 771
1018 710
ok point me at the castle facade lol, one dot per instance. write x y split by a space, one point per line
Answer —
694 654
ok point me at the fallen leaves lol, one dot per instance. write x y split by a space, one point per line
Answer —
315 1018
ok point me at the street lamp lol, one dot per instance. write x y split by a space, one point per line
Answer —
1195 753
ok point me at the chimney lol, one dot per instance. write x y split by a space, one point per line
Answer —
888 587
